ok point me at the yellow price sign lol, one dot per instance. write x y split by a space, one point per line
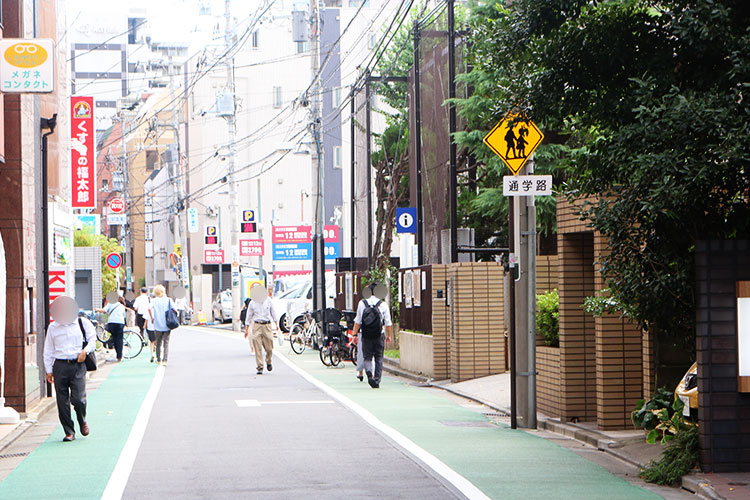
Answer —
514 139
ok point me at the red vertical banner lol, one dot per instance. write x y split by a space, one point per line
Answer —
82 152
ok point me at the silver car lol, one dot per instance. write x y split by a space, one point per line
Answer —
222 306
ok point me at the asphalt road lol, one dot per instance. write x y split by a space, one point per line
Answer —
284 439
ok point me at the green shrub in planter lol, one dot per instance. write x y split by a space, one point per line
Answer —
548 317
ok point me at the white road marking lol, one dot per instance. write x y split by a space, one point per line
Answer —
121 473
461 483
254 403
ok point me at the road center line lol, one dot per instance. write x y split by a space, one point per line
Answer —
254 403
121 473
457 480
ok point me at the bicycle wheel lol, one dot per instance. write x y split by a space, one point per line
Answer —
325 356
102 334
334 355
132 344
297 339
354 355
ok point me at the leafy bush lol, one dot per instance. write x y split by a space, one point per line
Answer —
86 238
548 317
679 458
644 415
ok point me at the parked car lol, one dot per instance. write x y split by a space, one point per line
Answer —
284 285
687 391
222 306
280 303
297 306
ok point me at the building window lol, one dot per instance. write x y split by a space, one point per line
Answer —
337 157
372 40
254 39
134 29
105 184
336 97
303 47
152 157
277 97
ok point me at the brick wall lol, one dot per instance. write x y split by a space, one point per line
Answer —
477 319
440 323
547 275
548 385
577 328
723 413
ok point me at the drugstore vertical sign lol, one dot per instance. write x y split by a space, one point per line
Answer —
82 152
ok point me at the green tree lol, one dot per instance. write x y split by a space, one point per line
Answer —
643 105
86 238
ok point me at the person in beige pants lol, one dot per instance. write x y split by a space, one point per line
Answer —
259 321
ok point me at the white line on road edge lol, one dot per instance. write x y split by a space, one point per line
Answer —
120 475
461 483
457 480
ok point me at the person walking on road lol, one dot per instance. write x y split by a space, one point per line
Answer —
140 305
159 306
260 323
117 311
68 342
374 320
181 305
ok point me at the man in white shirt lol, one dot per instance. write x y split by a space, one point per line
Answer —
260 319
140 305
373 319
180 304
64 356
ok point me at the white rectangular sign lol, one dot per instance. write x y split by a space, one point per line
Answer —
27 65
527 185
117 219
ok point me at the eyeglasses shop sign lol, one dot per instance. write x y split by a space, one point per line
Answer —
27 65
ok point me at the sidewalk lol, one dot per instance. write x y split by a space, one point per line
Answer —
627 445
46 470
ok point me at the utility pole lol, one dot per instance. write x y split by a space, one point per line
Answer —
318 244
234 217
525 302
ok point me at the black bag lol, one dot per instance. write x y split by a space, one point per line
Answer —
173 320
243 315
372 322
90 360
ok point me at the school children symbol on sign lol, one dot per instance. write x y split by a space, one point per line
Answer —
513 139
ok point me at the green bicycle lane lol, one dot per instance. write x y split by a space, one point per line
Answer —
81 469
502 462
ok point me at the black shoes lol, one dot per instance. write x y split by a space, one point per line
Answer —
85 429
69 437
260 371
360 377
270 367
371 381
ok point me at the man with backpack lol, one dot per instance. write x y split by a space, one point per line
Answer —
373 320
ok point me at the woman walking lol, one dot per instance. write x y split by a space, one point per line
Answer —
116 309
159 306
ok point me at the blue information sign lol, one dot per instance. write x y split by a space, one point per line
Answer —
406 220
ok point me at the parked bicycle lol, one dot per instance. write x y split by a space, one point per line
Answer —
305 334
340 343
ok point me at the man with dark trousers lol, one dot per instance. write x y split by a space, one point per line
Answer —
374 320
64 356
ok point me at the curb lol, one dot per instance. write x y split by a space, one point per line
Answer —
390 367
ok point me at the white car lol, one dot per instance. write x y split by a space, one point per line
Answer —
296 306
280 304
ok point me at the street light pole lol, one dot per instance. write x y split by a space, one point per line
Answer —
318 264
233 206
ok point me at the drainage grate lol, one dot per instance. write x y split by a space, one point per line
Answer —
14 455
496 415
462 423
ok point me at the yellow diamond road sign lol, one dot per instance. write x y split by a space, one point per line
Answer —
513 140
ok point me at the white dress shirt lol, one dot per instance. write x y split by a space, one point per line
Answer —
141 304
65 341
260 311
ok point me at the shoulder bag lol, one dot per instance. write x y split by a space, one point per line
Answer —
171 316
90 360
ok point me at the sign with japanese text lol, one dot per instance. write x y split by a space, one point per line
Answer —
58 282
117 205
82 152
527 185
192 218
213 256
251 248
514 139
292 234
295 242
27 65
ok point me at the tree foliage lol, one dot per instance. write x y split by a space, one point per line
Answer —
87 238
644 108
